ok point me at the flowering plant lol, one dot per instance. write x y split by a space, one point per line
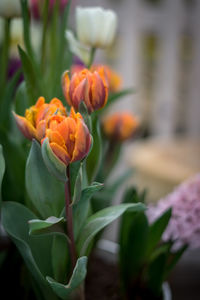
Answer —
58 163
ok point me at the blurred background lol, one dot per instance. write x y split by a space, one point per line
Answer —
157 51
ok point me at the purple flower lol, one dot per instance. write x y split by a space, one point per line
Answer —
184 225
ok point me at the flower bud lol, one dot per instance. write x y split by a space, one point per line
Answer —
90 87
35 122
113 78
95 26
120 126
69 137
10 8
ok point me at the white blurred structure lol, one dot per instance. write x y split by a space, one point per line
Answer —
168 21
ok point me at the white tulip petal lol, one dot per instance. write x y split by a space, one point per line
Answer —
10 8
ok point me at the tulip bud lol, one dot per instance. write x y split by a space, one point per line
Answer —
35 122
10 8
95 26
86 86
113 78
120 126
68 137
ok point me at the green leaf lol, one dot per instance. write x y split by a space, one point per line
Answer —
81 208
54 164
100 220
60 257
117 96
21 99
156 273
34 250
2 169
31 78
78 276
133 240
94 157
84 113
45 191
50 225
156 231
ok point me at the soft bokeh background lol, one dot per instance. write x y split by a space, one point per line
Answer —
157 51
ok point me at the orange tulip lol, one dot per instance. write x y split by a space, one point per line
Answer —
120 126
90 87
35 122
69 137
113 78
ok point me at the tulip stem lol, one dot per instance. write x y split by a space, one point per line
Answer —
92 54
69 217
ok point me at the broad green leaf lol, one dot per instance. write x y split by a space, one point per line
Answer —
60 257
81 208
2 169
100 220
94 158
45 191
156 231
31 78
34 250
53 164
156 274
133 240
50 225
78 276
117 96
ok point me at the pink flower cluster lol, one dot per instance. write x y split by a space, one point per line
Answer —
184 225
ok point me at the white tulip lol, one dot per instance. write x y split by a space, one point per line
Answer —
10 8
95 26
77 48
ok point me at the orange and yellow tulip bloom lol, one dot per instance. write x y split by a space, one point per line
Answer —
87 86
35 122
120 126
69 137
114 80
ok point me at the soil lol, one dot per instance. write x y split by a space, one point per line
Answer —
102 282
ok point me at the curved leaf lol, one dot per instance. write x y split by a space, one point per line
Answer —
45 191
34 250
78 276
100 220
49 225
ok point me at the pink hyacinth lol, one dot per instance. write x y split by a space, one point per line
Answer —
184 225
37 5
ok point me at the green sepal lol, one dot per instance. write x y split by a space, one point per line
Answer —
54 164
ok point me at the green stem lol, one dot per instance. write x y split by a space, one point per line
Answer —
5 55
69 216
92 55
44 33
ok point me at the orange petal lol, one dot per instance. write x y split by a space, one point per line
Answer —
65 87
82 142
78 94
99 92
25 127
40 102
60 153
41 130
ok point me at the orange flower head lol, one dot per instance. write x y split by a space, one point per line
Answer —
113 78
69 137
87 86
35 122
120 126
